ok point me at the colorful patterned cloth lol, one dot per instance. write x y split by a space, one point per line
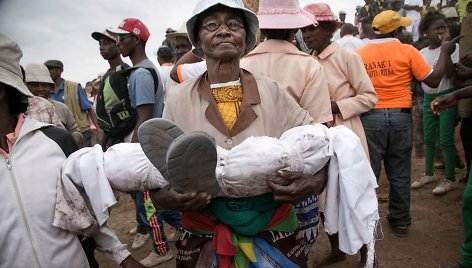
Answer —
228 99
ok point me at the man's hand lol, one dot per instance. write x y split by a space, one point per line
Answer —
302 186
167 198
450 46
130 262
441 103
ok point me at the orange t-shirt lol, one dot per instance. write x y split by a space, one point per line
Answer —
390 66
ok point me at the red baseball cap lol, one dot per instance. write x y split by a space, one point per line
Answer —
131 26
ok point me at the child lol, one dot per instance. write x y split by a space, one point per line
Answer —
434 27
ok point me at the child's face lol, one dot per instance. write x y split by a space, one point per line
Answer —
437 32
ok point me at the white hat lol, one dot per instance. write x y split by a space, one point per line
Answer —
10 70
251 20
37 72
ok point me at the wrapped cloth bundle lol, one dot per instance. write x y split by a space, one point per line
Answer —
244 170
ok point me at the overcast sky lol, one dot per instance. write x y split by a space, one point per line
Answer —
60 29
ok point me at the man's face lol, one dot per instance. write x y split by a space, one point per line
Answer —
342 17
182 46
126 44
396 5
39 89
108 48
55 72
367 2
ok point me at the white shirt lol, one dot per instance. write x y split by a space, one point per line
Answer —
431 56
413 14
350 42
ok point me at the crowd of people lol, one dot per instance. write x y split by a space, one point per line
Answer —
396 79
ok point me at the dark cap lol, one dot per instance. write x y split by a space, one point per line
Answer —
98 35
54 64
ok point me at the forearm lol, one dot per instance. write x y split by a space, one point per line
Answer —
189 57
463 93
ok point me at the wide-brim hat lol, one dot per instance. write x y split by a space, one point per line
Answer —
98 35
37 72
321 12
388 21
182 32
283 14
10 70
251 20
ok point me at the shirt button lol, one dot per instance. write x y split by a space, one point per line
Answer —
229 141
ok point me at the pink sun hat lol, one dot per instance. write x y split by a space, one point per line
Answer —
283 14
321 11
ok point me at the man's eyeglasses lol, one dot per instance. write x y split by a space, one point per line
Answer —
212 26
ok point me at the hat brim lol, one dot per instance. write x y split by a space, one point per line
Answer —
98 35
7 78
116 31
284 21
173 36
251 20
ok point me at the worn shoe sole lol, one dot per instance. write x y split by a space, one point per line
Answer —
191 163
155 136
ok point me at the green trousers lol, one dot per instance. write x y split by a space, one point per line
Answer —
445 125
466 249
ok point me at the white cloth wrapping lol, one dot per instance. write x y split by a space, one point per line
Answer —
351 202
84 193
244 170
129 170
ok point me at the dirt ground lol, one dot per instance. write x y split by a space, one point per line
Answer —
435 235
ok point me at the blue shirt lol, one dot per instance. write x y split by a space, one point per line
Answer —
141 88
83 101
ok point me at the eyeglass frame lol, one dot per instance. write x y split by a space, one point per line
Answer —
238 25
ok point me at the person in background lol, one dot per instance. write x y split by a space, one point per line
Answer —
342 16
298 73
39 82
349 38
439 105
388 126
109 52
165 58
413 11
368 11
397 6
367 33
434 27
131 37
180 40
351 92
73 95
461 7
